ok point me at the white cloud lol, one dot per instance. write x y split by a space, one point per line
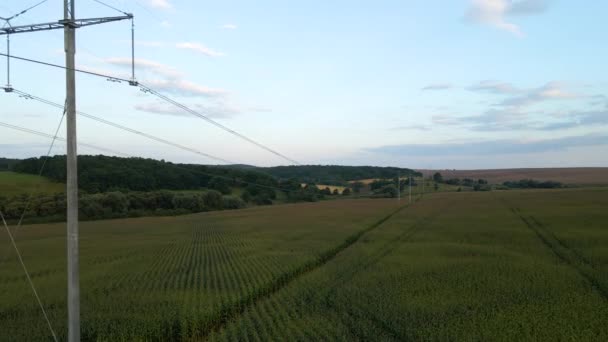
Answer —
438 86
165 24
229 27
184 88
522 109
103 71
411 128
144 64
200 48
496 87
220 109
495 12
161 108
527 7
550 91
160 4
492 12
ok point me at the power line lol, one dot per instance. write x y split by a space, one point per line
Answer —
22 12
29 279
45 135
147 89
108 77
48 153
30 131
124 128
215 123
110 6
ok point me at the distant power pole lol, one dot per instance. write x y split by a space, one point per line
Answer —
69 24
423 185
410 190
398 188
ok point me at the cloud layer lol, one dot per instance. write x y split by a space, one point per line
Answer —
491 147
529 109
438 86
159 4
496 12
200 48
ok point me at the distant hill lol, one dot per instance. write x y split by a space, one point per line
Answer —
103 173
572 176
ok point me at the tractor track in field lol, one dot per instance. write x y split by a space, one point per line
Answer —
233 310
382 251
562 251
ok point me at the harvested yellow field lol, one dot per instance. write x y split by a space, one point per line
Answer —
331 187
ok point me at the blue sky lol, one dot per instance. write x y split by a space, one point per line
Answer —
423 84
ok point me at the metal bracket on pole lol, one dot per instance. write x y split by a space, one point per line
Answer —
133 82
8 88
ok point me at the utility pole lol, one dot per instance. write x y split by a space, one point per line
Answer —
69 24
423 181
410 190
72 173
398 189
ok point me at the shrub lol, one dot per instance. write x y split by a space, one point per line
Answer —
231 202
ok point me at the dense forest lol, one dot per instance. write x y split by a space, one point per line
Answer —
7 164
103 173
336 174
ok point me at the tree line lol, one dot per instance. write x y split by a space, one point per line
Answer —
7 164
116 204
104 173
532 184
335 174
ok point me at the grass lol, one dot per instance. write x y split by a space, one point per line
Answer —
12 183
509 265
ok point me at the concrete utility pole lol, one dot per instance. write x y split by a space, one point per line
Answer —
72 173
69 24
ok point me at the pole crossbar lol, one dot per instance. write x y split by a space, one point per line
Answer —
60 24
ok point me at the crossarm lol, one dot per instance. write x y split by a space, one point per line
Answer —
61 24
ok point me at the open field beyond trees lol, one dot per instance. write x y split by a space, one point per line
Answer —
12 183
501 265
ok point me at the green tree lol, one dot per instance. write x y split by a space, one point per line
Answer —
220 184
437 177
357 186
213 199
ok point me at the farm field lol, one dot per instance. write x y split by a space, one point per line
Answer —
502 265
586 176
13 183
168 278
